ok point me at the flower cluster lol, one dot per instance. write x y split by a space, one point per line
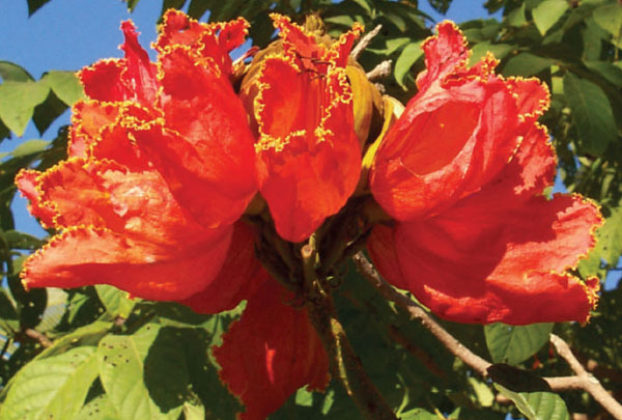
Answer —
177 169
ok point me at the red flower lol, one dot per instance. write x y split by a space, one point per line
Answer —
161 166
127 200
463 172
309 157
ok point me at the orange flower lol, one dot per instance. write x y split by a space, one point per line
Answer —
160 166
463 172
309 157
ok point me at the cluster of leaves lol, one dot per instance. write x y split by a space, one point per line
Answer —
93 353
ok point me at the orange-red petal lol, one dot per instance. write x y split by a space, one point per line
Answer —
446 145
489 259
271 352
83 256
211 40
130 78
240 276
308 152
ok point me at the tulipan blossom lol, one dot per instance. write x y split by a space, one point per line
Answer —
198 180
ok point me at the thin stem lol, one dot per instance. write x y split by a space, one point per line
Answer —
345 364
582 380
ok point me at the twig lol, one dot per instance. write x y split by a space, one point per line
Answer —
582 380
39 337
381 70
589 383
364 42
345 364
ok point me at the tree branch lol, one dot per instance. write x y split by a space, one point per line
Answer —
589 383
345 364
39 337
364 42
582 380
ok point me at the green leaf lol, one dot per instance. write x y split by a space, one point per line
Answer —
592 114
18 101
409 55
611 73
194 411
609 17
9 321
29 147
516 17
21 240
514 344
116 301
99 408
418 414
537 405
11 71
608 246
89 335
526 64
482 391
143 374
65 85
51 388
547 13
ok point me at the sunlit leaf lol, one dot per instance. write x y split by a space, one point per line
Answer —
65 85
526 64
18 101
149 355
538 405
609 17
51 388
409 55
547 13
514 344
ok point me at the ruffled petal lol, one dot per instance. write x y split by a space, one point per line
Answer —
140 72
445 53
88 120
84 256
28 185
308 152
311 51
130 78
271 352
240 276
532 96
489 259
212 40
446 145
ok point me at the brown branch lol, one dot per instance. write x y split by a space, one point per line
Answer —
383 69
589 383
345 364
582 380
39 337
364 42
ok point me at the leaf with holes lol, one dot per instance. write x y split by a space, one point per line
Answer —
143 374
51 388
514 344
